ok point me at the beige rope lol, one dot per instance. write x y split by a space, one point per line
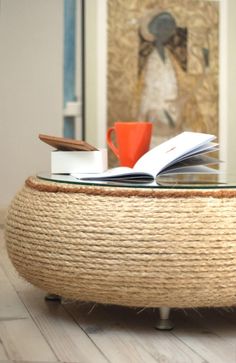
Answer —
45 186
126 246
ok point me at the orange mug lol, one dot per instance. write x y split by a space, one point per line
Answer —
132 140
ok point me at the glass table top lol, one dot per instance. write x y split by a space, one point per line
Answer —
207 181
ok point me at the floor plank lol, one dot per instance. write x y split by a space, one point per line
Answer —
200 336
3 354
24 361
211 320
229 314
23 341
11 306
19 335
69 342
126 336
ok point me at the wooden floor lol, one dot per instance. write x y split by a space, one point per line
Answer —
32 330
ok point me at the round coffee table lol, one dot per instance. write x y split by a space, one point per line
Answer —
136 245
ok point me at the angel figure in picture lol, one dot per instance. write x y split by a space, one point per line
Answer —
163 78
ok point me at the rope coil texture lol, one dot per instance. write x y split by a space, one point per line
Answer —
126 246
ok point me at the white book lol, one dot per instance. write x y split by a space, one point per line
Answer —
184 153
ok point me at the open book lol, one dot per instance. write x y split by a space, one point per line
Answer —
184 153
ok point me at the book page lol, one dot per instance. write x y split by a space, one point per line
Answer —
190 169
158 158
120 170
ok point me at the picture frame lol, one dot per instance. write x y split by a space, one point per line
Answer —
96 90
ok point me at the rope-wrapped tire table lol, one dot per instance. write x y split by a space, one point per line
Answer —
127 246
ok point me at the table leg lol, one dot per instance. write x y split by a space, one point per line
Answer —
52 297
164 323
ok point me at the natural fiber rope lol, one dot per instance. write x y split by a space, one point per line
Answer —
127 246
46 186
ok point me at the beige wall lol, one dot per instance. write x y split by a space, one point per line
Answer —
31 40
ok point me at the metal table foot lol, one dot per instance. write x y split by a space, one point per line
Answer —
52 297
164 323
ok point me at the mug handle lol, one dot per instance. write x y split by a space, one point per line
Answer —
110 143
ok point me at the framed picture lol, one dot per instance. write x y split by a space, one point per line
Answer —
163 61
